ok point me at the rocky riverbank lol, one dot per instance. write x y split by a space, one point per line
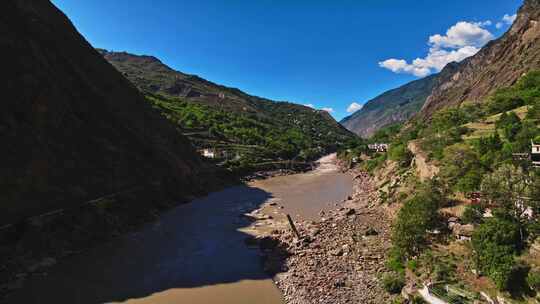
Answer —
338 259
261 175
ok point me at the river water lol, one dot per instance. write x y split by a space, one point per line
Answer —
194 254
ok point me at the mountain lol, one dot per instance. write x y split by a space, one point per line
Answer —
497 65
278 130
150 75
72 127
394 106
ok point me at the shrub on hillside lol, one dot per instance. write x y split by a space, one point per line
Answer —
473 214
393 282
386 134
371 165
444 130
525 91
395 261
401 154
504 99
533 279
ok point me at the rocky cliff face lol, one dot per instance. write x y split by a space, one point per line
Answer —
72 128
394 106
499 64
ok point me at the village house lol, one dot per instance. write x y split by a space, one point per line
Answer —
378 147
213 153
535 154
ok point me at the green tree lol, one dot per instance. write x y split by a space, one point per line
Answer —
515 192
495 242
489 150
473 214
510 124
522 140
415 218
461 170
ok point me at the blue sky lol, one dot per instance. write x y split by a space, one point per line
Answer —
328 54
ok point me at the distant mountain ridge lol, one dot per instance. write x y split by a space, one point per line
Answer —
498 64
391 107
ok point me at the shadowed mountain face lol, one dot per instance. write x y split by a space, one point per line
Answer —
152 76
499 64
394 106
72 127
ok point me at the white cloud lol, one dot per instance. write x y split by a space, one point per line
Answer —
509 19
462 34
401 66
506 20
484 23
310 105
462 40
353 107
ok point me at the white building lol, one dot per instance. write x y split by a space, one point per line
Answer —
378 147
214 153
535 154
209 153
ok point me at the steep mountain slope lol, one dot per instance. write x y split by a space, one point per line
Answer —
237 117
499 64
394 106
72 128
150 75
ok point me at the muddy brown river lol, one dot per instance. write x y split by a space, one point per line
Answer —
194 254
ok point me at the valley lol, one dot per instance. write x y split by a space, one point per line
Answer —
125 180
242 133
